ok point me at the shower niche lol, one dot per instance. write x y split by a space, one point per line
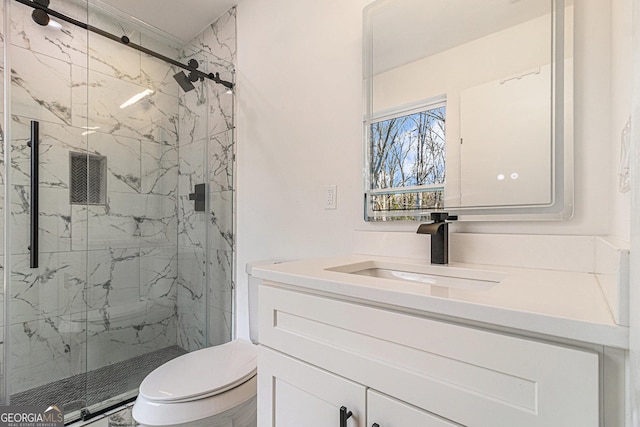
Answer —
129 276
87 179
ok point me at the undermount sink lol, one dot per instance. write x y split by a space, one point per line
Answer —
437 276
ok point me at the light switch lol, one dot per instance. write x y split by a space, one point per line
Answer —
331 197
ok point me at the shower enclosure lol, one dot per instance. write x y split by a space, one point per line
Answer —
109 270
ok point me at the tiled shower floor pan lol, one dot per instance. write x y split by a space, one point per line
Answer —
97 386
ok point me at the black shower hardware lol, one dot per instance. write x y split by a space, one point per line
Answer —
198 197
185 82
41 16
35 182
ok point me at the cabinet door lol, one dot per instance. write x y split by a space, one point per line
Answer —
387 412
295 394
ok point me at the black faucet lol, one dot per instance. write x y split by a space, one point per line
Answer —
439 231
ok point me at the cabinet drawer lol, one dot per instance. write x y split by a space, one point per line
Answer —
475 377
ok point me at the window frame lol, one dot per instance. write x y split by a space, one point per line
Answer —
372 214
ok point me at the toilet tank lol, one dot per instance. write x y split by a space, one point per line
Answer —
254 283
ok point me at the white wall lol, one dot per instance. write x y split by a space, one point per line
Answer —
621 101
299 114
299 129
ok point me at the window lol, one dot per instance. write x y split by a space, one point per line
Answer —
407 159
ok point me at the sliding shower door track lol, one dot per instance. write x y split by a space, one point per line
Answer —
124 40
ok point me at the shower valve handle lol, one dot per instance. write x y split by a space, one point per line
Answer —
199 197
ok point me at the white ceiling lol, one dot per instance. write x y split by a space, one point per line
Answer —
183 19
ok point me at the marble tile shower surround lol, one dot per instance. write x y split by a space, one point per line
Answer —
154 149
207 141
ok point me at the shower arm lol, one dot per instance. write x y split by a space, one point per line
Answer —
125 40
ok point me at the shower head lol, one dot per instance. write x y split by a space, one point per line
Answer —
184 81
39 16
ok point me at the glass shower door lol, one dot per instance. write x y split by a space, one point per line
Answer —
132 111
47 258
4 386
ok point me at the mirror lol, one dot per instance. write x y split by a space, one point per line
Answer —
468 109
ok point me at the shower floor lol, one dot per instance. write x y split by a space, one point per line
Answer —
99 385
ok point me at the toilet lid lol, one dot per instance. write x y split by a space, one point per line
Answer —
201 373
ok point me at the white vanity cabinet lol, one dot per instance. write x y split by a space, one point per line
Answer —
391 368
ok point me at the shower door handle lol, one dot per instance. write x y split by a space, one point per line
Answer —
35 182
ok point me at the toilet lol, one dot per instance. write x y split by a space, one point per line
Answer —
212 387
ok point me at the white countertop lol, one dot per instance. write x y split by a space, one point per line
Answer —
569 305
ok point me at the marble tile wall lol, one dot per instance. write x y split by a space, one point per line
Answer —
130 276
106 288
207 150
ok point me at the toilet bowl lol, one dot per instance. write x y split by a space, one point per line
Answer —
212 387
209 387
